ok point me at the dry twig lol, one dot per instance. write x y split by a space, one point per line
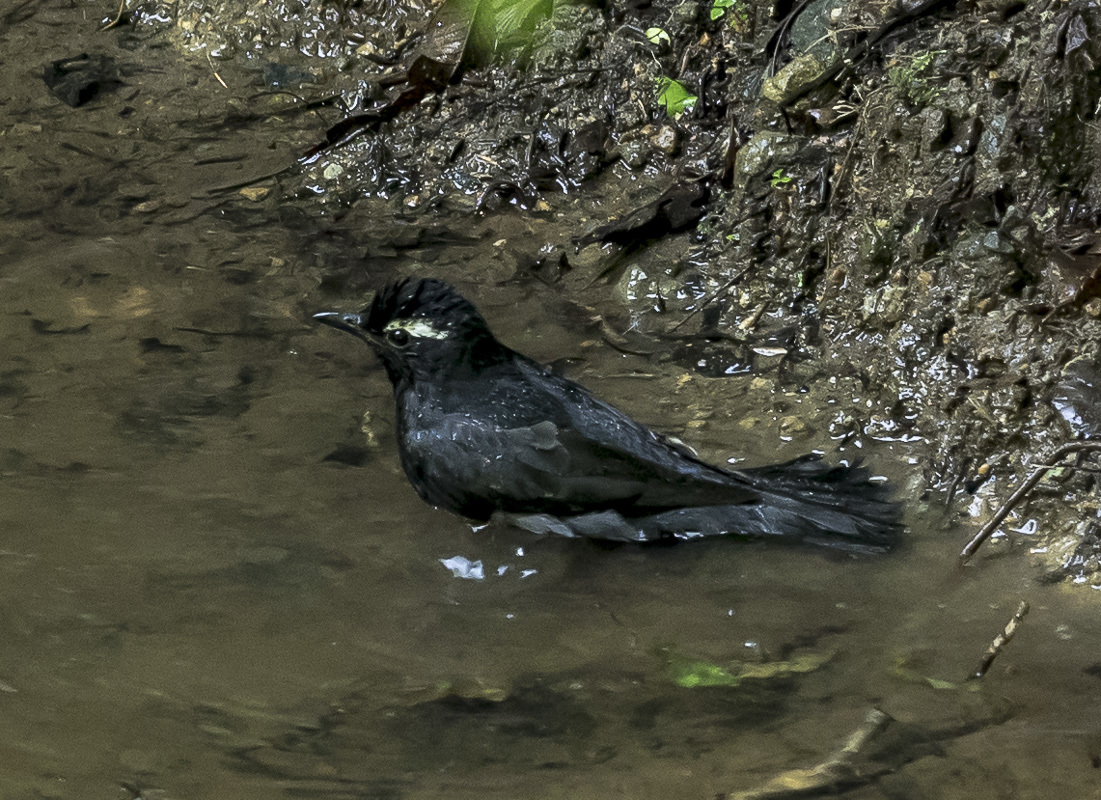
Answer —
836 772
1000 641
988 529
118 17
712 297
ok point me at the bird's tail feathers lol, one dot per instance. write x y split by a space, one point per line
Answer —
804 500
835 505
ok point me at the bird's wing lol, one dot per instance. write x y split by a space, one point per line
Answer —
569 453
595 433
475 467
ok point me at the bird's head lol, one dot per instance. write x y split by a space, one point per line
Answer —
422 329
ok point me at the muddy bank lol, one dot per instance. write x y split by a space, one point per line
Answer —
887 212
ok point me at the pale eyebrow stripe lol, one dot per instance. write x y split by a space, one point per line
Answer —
422 329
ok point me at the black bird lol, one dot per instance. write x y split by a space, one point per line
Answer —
484 431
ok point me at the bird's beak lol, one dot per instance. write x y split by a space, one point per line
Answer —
345 321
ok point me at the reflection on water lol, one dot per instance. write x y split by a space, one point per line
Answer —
215 583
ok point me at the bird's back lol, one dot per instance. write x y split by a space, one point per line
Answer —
520 439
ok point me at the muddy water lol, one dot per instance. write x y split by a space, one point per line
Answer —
215 582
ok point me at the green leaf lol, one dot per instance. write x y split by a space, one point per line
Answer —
719 7
674 96
779 179
657 36
691 673
512 15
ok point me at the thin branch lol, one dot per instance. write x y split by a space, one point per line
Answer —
834 774
988 529
217 77
712 298
1000 641
118 17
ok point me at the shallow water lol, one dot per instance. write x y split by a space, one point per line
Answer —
197 601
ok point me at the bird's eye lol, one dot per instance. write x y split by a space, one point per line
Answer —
398 337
